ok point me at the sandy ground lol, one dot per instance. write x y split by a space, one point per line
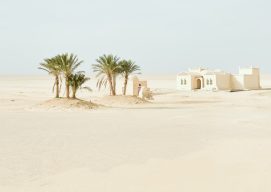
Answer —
181 141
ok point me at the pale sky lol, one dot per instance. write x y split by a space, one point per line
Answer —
162 36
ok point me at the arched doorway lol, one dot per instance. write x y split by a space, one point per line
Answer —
198 84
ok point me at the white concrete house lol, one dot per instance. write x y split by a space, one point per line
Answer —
247 79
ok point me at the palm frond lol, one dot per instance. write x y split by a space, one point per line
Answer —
106 68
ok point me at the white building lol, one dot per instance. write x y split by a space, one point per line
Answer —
247 79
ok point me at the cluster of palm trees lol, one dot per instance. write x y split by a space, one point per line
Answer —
109 67
64 66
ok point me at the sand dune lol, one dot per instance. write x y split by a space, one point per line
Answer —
180 141
122 101
63 103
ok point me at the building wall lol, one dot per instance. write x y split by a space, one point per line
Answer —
184 82
210 82
223 81
193 83
247 79
237 82
251 82
217 82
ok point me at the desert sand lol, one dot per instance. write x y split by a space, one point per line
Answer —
181 141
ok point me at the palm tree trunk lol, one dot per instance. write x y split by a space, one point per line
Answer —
114 83
74 93
125 84
112 91
67 88
57 86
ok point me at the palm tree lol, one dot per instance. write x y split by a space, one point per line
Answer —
53 68
68 62
127 68
76 81
107 68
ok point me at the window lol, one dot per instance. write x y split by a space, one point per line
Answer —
211 82
185 81
207 81
181 81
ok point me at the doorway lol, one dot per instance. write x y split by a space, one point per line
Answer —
198 84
